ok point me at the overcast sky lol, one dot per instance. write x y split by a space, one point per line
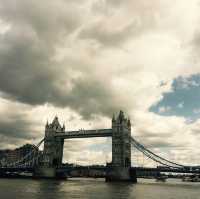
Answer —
85 60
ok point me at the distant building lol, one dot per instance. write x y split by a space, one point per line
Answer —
10 156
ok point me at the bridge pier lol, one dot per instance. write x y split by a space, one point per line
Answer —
48 172
120 174
45 172
120 168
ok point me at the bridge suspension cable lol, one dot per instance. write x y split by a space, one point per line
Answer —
28 158
154 156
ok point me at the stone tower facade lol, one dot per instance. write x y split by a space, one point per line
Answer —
121 142
53 150
120 168
53 147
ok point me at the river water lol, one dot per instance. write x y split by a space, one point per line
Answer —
97 189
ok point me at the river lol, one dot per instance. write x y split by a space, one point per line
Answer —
97 189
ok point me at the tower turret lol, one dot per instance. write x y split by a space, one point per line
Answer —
121 117
63 128
129 123
55 124
113 119
47 125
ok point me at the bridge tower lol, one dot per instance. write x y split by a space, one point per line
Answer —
52 152
120 168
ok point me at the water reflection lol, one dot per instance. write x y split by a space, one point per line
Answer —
48 189
96 189
120 190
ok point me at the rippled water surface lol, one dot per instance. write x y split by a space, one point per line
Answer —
97 189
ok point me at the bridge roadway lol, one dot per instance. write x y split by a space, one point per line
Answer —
139 169
85 133
16 169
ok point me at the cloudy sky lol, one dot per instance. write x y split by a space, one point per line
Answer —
85 60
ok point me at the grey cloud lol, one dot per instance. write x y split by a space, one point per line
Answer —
195 48
48 20
17 126
28 72
139 17
11 142
196 129
91 96
107 37
157 139
148 133
161 144
158 142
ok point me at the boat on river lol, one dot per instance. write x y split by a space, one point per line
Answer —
191 179
161 178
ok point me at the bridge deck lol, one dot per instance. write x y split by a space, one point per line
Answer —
64 168
16 169
85 134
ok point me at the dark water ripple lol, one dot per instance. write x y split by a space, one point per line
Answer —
96 189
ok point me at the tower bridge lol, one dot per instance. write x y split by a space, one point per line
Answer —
48 163
118 170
